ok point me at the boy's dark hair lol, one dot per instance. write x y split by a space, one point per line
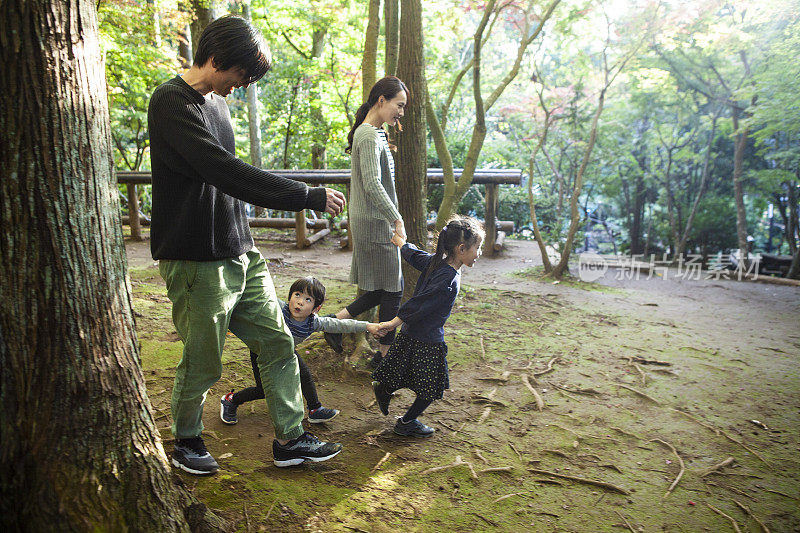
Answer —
234 42
310 285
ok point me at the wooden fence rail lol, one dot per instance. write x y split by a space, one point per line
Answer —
492 178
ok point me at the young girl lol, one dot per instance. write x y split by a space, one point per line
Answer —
417 359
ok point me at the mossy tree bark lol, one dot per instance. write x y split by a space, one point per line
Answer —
205 12
391 24
369 60
80 446
411 168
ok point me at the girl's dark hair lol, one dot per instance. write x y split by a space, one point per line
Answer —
388 87
309 285
459 230
234 42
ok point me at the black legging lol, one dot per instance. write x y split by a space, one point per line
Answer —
256 393
416 409
389 303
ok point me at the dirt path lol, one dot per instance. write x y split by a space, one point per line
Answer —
729 354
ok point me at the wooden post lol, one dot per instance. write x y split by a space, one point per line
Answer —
133 212
300 228
491 219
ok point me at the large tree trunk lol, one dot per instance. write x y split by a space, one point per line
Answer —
391 24
205 11
80 447
411 165
369 62
185 52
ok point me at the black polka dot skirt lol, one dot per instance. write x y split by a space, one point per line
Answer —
416 365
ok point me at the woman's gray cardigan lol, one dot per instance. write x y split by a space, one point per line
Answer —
373 210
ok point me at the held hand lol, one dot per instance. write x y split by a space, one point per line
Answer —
335 201
376 330
400 228
397 240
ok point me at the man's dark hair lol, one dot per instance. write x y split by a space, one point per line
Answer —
234 42
309 285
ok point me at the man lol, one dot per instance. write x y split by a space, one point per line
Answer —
216 279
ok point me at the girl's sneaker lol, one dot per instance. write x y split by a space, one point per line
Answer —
321 414
227 409
414 428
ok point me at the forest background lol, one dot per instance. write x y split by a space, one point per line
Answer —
672 126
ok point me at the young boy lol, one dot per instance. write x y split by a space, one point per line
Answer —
306 296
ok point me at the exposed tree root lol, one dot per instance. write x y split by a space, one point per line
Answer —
723 434
515 451
501 498
733 522
490 522
484 415
601 484
477 453
587 392
747 510
380 463
638 393
548 481
626 521
536 395
680 461
717 466
548 369
458 462
558 453
647 361
496 469
641 373
628 433
611 466
483 350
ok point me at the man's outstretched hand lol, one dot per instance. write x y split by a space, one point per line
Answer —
335 201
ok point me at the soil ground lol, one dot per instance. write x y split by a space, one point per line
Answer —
645 382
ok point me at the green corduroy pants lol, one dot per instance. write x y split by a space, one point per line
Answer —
208 299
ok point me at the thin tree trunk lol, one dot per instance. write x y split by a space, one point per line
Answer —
449 202
700 192
319 124
638 208
288 136
185 46
794 225
738 188
253 120
153 5
81 450
370 58
548 267
561 267
391 23
411 165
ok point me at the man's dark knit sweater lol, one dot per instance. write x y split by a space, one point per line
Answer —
199 186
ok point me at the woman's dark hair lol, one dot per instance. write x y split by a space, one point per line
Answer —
459 230
311 286
232 41
388 87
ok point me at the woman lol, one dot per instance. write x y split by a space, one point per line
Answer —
375 266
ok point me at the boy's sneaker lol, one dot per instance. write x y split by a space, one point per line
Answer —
381 397
414 428
191 455
227 409
321 414
305 447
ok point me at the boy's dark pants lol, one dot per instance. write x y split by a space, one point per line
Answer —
257 392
